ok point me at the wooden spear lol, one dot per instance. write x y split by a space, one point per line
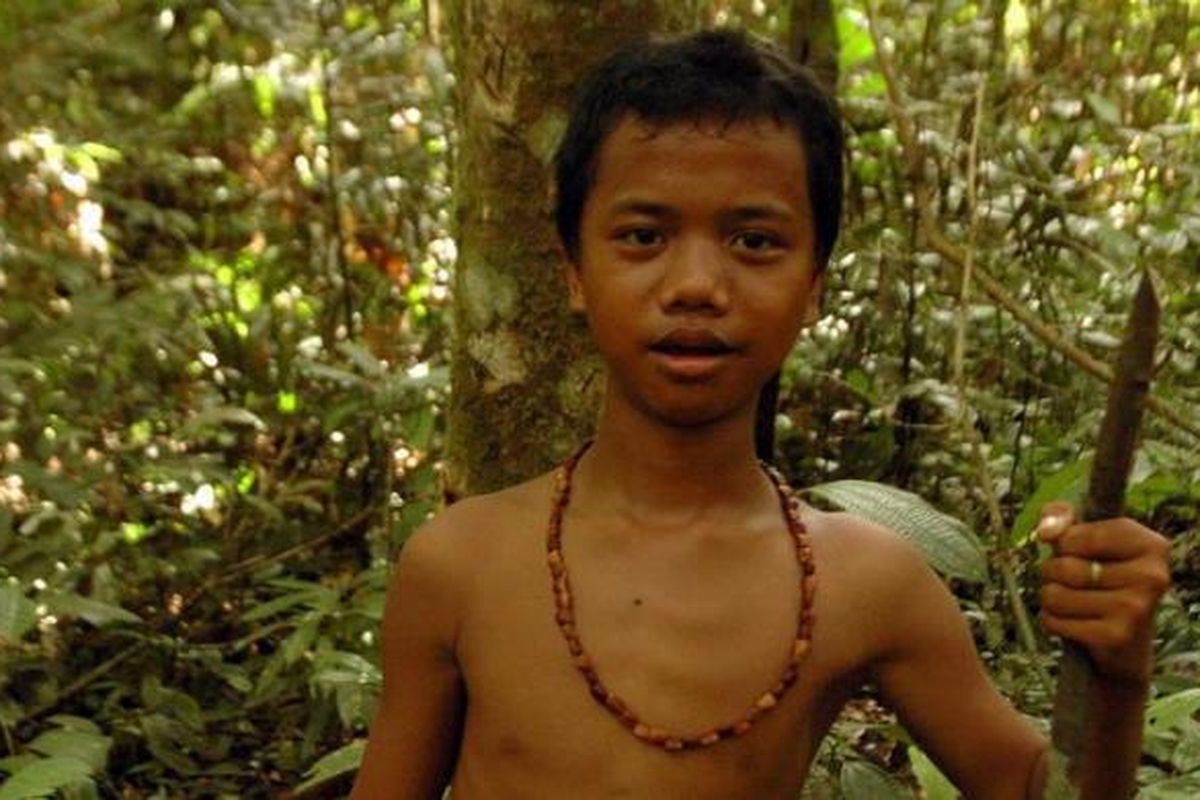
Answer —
1105 499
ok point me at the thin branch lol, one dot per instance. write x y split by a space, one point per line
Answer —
332 176
964 291
1000 551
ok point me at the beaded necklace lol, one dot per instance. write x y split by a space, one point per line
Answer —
565 617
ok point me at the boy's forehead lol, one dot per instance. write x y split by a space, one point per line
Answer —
633 129
763 151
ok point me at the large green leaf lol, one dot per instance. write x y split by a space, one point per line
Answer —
90 748
44 777
948 544
332 765
1167 712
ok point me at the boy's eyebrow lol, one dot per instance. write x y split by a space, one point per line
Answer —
637 206
744 213
757 211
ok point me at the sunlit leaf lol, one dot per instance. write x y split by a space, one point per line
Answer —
333 765
134 532
264 95
287 402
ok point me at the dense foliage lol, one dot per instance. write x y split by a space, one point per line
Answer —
225 253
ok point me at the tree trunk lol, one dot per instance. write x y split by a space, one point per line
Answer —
813 39
525 381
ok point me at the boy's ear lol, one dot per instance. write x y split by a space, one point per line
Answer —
812 304
574 286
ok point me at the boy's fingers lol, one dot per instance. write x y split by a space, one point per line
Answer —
1056 518
1079 573
1092 632
1109 540
1060 601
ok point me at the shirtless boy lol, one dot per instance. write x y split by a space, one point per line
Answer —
699 192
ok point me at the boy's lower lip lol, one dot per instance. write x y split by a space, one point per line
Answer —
690 365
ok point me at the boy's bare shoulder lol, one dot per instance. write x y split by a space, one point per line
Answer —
868 540
473 528
872 554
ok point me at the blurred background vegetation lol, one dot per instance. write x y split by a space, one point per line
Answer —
228 252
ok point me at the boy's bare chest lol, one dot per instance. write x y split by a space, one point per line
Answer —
688 641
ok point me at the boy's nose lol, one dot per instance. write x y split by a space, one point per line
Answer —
694 278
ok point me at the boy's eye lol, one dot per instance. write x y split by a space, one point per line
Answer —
756 241
640 237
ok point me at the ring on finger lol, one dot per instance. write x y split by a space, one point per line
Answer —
1095 571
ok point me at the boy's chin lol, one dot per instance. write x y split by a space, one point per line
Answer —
696 415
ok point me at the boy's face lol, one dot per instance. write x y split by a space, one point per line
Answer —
696 266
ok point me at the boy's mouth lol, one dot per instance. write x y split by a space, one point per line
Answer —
692 342
691 354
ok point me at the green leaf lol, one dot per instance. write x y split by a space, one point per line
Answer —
863 781
854 40
341 668
316 106
948 544
1186 787
310 597
44 777
1058 785
301 639
1068 485
934 784
264 95
1104 108
333 765
166 740
361 357
220 416
341 377
97 613
174 704
1167 712
17 615
90 748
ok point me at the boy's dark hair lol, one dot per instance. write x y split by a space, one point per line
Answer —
720 76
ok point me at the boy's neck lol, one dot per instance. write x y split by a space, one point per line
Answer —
663 476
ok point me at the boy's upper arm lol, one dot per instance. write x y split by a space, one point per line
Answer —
930 673
414 737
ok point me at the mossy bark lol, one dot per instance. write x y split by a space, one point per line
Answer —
526 383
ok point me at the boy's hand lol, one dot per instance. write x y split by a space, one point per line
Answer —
1101 586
